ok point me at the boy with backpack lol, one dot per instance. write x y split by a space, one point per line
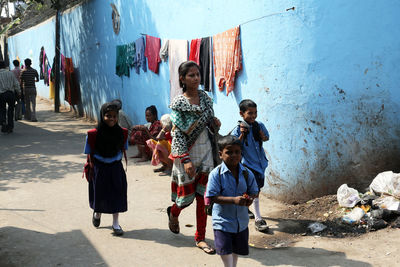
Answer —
252 134
231 187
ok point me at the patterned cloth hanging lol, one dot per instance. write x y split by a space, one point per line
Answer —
227 58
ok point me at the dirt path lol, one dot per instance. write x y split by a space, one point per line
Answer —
45 219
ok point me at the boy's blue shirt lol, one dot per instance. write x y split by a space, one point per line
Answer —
87 150
252 155
230 217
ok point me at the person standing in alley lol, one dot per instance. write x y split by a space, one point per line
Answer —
105 146
191 151
252 134
28 78
9 87
19 100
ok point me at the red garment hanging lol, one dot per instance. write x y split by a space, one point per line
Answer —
195 50
152 52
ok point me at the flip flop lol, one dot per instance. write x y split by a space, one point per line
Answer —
173 227
207 249
161 169
165 173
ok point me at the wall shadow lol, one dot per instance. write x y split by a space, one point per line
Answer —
32 152
23 247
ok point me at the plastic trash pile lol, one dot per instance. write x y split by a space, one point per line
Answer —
376 208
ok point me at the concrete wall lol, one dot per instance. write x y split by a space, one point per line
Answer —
324 77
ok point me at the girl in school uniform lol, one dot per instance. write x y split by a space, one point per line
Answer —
105 146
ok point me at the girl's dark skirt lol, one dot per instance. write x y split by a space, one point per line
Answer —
108 189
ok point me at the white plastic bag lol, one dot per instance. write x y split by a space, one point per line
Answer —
347 197
316 227
354 216
387 202
386 183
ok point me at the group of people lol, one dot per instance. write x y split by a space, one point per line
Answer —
196 149
17 94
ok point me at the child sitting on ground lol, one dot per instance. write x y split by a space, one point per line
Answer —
161 147
231 187
252 135
141 133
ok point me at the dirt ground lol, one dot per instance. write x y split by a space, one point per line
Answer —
45 219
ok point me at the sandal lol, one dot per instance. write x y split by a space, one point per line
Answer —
173 227
207 249
165 173
161 169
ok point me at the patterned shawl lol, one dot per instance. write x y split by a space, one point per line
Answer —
189 121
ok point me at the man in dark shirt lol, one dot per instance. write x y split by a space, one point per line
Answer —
28 78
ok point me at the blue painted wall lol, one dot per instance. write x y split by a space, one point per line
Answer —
27 44
324 77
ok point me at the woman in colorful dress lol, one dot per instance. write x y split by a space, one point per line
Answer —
141 133
191 151
161 147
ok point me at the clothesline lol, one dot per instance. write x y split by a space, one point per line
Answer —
262 17
269 15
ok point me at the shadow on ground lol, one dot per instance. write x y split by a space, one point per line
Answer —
22 247
59 135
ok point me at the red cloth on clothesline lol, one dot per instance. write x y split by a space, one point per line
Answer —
152 52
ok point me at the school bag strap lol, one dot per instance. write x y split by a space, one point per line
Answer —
245 172
92 138
89 165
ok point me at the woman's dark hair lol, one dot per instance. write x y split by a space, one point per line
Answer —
246 104
153 110
228 140
184 69
16 63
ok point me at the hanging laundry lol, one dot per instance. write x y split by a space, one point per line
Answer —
130 54
125 59
53 71
41 57
71 84
205 64
164 51
52 90
52 75
62 67
152 52
46 68
121 68
177 53
140 59
195 50
227 58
